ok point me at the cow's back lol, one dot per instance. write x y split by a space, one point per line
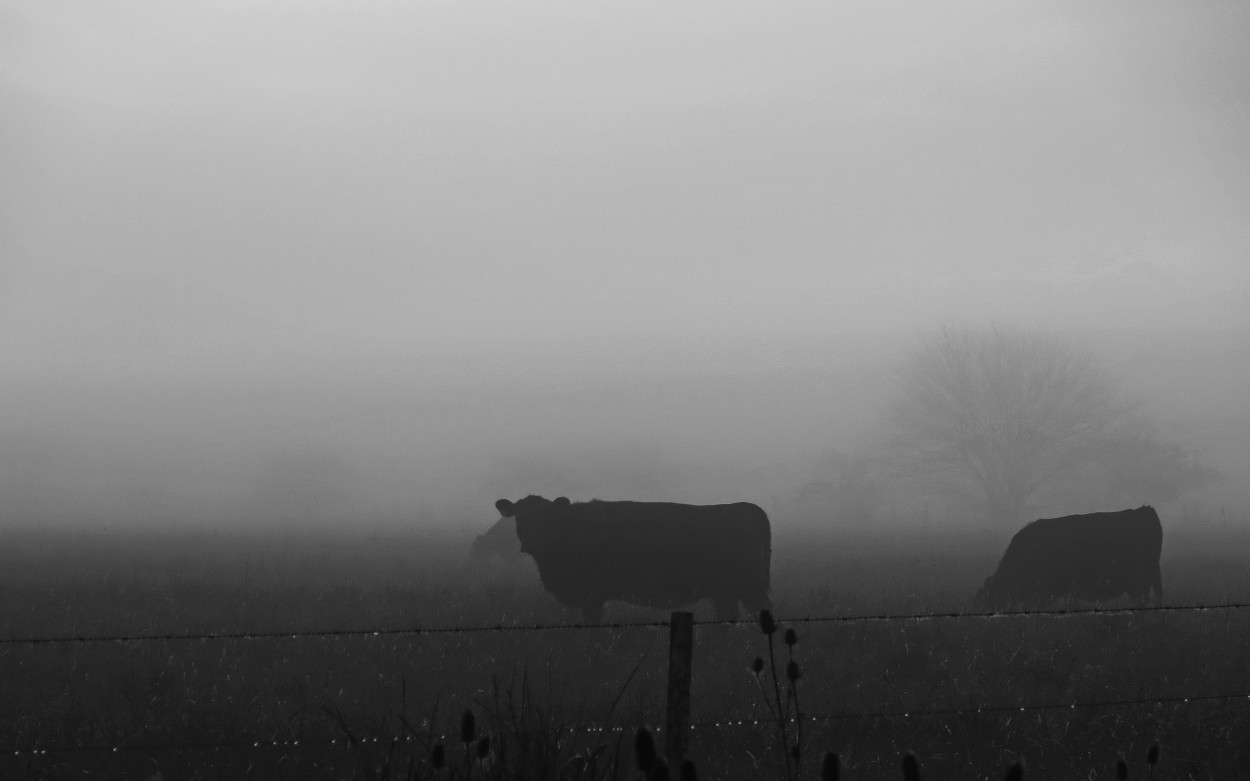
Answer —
1096 556
1099 535
665 554
658 554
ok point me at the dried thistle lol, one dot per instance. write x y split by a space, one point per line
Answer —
687 771
1015 772
468 727
911 768
829 767
767 625
644 750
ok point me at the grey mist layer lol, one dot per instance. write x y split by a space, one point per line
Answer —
343 264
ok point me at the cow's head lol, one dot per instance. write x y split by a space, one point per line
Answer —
499 541
535 519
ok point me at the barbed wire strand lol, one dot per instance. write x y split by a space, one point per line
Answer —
332 633
987 709
706 725
998 614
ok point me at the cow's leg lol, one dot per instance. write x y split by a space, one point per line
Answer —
755 604
725 608
1150 580
592 613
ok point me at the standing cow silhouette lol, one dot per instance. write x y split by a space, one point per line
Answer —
1079 558
656 554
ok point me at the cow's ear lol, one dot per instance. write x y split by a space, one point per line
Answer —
506 509
561 501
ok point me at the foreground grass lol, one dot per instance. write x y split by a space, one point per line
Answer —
545 685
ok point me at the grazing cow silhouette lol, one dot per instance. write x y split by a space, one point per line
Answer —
499 542
1090 558
656 554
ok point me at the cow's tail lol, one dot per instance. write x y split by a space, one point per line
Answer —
761 541
1156 533
1157 584
765 578
754 588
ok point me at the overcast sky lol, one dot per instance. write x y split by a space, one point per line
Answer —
191 185
242 176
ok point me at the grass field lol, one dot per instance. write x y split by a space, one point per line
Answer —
531 689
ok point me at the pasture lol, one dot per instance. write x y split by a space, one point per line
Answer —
196 708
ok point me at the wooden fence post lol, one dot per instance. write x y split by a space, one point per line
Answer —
680 650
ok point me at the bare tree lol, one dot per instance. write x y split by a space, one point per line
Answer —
1001 416
1135 461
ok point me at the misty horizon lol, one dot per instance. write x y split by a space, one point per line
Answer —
312 264
384 440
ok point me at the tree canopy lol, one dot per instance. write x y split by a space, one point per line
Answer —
1004 418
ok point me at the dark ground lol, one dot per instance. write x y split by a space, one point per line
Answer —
213 700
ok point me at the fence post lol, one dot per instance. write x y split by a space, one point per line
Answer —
680 648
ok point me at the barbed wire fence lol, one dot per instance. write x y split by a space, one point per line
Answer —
704 725
295 744
500 627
